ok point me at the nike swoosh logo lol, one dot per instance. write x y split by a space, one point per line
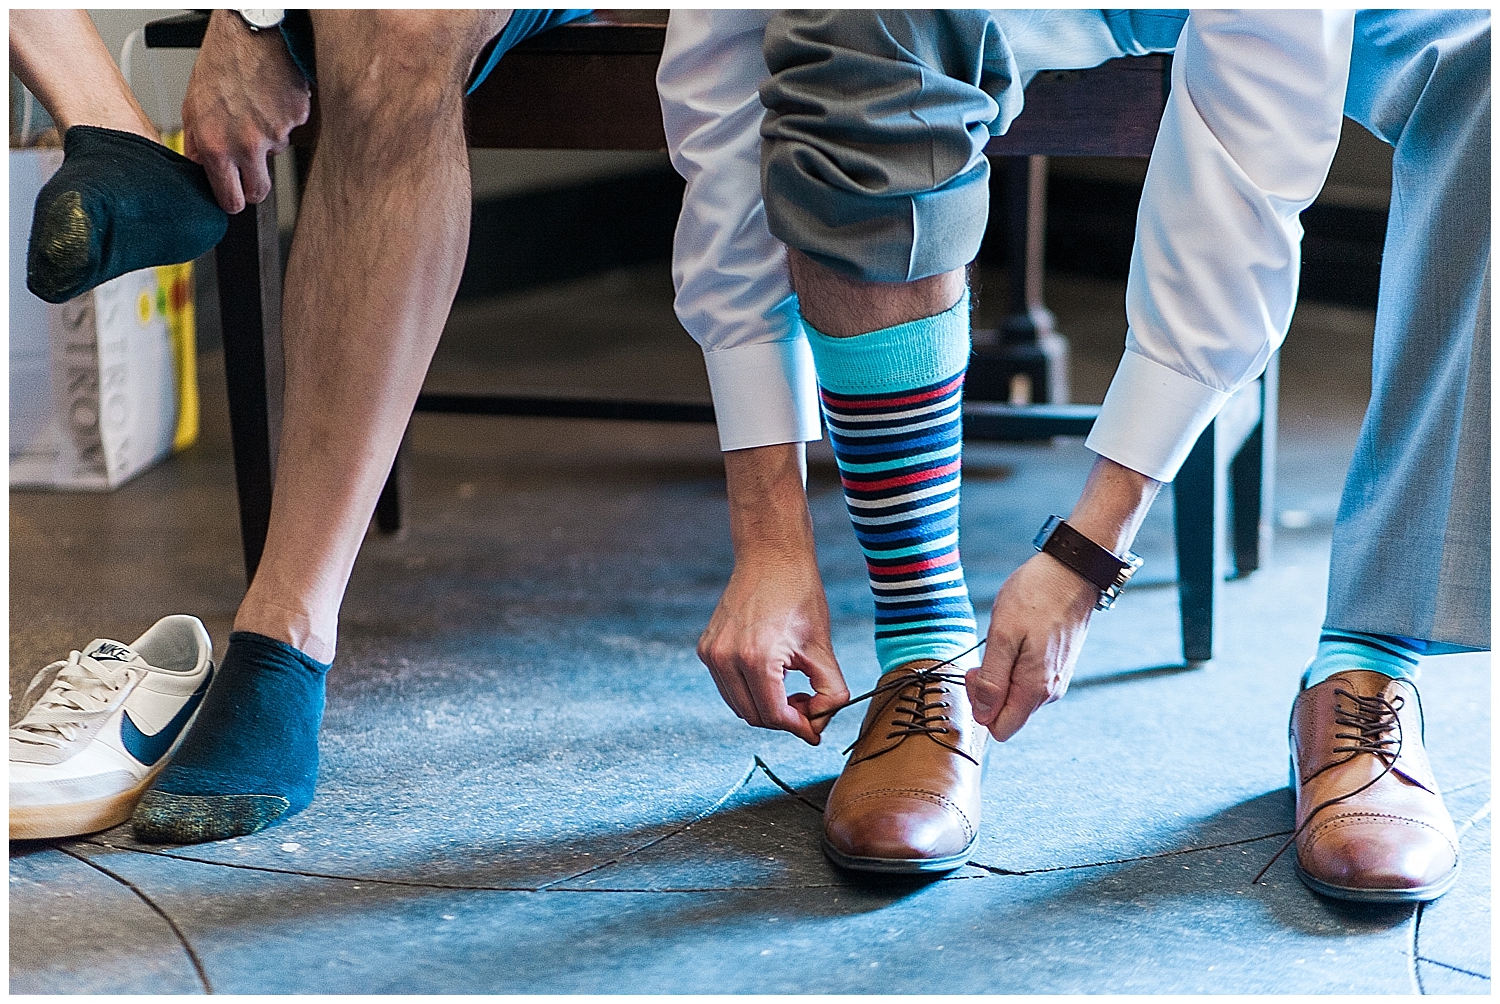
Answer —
150 748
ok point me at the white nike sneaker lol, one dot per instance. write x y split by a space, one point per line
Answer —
102 726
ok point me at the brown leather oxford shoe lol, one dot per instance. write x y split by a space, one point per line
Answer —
1371 823
908 799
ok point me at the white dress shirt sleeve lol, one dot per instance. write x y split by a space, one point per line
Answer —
734 295
1245 144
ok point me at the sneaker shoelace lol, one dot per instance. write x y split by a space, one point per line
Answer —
1375 719
915 715
84 691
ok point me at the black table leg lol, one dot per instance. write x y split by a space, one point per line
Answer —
397 487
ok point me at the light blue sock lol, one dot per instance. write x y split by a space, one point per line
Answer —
1339 651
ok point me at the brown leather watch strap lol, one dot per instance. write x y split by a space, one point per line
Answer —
1098 565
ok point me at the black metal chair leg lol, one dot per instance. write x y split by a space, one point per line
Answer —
1252 480
397 486
1198 497
248 261
1247 509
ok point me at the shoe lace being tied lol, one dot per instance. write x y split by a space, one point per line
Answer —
915 714
83 691
1374 718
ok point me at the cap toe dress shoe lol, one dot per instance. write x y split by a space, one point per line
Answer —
908 799
1372 826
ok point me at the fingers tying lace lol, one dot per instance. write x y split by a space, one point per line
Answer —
918 713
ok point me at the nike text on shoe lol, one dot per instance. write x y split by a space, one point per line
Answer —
101 726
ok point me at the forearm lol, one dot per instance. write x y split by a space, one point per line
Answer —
1042 612
768 514
1113 505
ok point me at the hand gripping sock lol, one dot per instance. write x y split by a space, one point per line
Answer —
120 202
1339 651
893 402
250 758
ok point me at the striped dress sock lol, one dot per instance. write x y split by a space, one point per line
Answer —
893 403
1340 650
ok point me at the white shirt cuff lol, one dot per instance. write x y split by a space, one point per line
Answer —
1152 416
765 393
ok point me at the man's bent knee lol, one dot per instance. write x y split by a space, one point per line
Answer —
872 160
387 74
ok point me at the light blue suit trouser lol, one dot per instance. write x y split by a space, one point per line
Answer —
1411 544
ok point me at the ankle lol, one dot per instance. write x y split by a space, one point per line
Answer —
118 119
313 636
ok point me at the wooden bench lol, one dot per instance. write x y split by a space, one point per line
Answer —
591 86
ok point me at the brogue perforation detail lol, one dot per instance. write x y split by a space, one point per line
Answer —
934 797
1354 818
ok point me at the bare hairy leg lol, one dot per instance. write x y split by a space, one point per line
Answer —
841 306
374 266
375 263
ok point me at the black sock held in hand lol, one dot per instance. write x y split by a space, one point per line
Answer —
120 202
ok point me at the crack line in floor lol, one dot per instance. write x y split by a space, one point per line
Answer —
1420 911
1415 970
1124 861
1456 969
1484 810
187 946
1469 784
552 887
474 889
996 870
759 764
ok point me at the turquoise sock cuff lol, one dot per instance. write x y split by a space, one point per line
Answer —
1343 651
893 653
915 354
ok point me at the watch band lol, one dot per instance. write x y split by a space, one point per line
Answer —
1098 565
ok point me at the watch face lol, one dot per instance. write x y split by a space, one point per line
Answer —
263 18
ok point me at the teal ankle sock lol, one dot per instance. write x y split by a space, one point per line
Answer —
1339 651
250 758
120 202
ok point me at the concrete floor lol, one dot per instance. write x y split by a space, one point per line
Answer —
530 785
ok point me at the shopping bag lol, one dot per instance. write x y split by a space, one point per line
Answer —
102 386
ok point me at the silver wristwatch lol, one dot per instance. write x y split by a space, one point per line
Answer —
261 20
